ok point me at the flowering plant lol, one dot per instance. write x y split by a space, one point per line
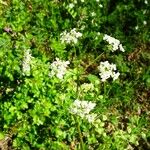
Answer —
26 64
108 70
82 109
114 42
55 74
58 68
70 37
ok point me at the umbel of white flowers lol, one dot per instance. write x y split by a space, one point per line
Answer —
108 70
70 37
114 42
26 64
58 68
83 109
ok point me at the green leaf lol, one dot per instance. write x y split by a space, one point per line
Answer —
93 79
2 135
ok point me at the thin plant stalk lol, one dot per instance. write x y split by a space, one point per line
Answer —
94 60
80 133
76 118
105 91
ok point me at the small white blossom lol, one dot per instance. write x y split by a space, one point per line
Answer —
108 70
145 22
93 14
71 5
91 117
77 103
26 62
82 27
144 11
146 2
75 1
114 42
87 87
100 5
115 75
82 109
70 37
121 48
98 33
137 27
59 68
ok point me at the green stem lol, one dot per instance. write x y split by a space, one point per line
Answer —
105 93
76 118
77 90
80 134
94 60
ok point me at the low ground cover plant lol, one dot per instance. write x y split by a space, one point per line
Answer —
75 74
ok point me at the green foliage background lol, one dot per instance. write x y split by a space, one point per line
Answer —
34 108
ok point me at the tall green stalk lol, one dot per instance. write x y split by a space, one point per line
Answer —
104 90
76 118
80 133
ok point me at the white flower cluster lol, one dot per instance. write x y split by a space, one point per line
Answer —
108 70
146 2
82 109
87 87
70 37
114 42
58 68
26 62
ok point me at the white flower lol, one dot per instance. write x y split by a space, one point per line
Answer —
146 2
71 5
77 103
145 22
137 27
144 11
87 87
82 109
91 105
100 5
93 14
98 33
115 75
75 1
107 70
91 117
59 68
70 37
121 48
114 42
26 62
